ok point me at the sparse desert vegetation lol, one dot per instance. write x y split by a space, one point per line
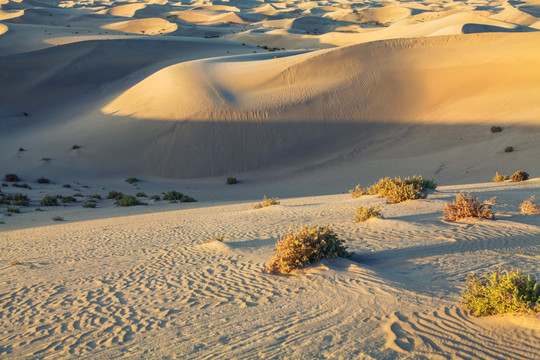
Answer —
496 129
266 202
175 196
128 200
43 180
465 206
396 189
509 149
58 218
529 207
49 200
519 176
231 181
306 245
501 292
500 178
131 180
365 213
11 178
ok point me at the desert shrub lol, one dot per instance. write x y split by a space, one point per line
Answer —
519 176
11 209
174 196
397 190
39 209
128 200
131 180
21 186
141 194
501 292
464 206
11 178
155 197
68 199
366 213
67 186
496 129
20 199
95 196
306 245
75 147
509 149
78 195
219 238
491 200
357 191
15 262
89 204
49 200
43 180
231 181
266 202
528 206
58 218
500 178
115 195
45 159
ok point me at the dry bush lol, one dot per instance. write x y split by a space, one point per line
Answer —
11 178
366 213
491 201
219 238
357 191
496 129
306 245
231 181
397 190
465 206
266 202
519 176
528 206
15 262
500 178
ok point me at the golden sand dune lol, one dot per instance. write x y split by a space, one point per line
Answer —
149 26
127 10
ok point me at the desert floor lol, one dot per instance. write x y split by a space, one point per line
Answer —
300 100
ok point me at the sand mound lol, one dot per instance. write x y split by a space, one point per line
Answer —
491 86
385 14
10 14
151 26
127 10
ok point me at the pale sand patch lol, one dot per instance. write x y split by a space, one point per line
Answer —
147 284
148 26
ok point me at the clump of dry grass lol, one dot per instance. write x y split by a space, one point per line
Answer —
306 245
465 206
219 238
266 202
366 213
357 191
491 201
500 178
15 262
529 207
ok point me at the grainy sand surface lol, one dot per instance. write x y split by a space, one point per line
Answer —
297 99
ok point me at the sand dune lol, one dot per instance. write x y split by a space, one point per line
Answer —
297 99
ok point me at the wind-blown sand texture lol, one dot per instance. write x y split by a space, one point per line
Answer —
298 99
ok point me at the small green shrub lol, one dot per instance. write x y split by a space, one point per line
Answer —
131 180
357 191
464 206
231 181
128 200
22 186
155 198
89 204
78 195
528 206
496 129
49 200
20 199
174 196
501 292
141 194
45 159
519 176
366 213
75 147
115 195
58 218
509 149
306 245
67 186
39 209
43 180
500 178
12 209
11 178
